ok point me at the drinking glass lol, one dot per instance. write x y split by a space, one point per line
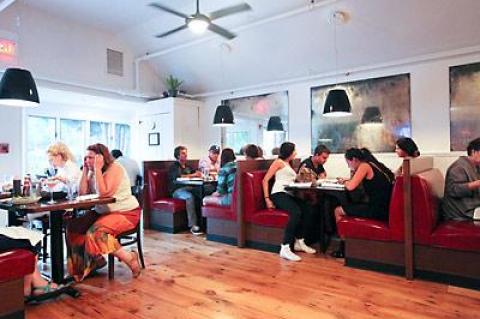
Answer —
51 183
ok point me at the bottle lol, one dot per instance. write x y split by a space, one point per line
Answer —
26 186
17 187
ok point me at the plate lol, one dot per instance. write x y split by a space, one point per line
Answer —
25 200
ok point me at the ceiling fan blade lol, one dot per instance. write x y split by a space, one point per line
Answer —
167 9
230 10
171 31
221 31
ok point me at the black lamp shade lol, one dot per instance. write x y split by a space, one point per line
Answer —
337 104
372 115
275 124
223 116
18 88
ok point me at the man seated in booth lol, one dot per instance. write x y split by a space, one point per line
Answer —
315 163
462 185
187 193
211 163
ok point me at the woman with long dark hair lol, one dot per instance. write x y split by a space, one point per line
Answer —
377 181
226 180
300 213
405 147
93 235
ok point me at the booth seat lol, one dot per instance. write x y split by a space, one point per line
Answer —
373 243
264 227
447 251
222 220
166 213
14 265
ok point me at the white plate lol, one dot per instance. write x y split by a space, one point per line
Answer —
87 197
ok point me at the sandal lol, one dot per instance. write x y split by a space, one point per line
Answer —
134 265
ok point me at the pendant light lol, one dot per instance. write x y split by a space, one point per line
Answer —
372 115
337 103
17 88
275 124
223 115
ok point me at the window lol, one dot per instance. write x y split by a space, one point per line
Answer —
77 134
72 133
122 138
40 134
99 133
236 140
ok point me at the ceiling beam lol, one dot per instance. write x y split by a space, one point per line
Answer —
5 3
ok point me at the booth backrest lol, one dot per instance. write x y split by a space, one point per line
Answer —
396 214
253 199
157 184
427 190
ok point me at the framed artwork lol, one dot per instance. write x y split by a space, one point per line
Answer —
380 115
464 105
260 119
4 148
153 138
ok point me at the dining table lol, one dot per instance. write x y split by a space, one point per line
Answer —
325 191
57 211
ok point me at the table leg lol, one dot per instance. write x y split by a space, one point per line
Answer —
56 246
324 240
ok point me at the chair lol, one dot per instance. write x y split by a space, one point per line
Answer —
131 237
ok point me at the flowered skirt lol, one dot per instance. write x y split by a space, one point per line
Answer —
93 235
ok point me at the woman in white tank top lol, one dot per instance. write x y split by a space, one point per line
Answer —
299 212
93 235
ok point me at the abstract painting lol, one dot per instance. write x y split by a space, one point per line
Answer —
380 115
252 115
464 105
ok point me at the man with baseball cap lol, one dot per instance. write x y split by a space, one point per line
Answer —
211 163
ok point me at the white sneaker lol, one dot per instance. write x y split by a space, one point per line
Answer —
286 253
196 230
301 246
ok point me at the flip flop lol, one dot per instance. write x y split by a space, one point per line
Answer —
46 292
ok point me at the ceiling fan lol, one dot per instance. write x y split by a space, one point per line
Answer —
199 22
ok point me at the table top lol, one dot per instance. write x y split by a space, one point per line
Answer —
309 187
5 195
194 181
62 204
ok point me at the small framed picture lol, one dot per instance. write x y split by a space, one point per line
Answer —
4 148
153 138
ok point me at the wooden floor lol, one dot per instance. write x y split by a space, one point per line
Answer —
189 277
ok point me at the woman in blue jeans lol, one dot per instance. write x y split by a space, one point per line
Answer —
300 213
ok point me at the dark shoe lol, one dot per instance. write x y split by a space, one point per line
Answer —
43 293
338 254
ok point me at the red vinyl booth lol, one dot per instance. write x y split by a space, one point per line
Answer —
447 251
264 227
166 213
222 220
14 265
373 243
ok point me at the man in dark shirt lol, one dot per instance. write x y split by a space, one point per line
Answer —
181 169
315 162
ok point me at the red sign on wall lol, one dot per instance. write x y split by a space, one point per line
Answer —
7 48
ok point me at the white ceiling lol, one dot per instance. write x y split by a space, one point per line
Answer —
378 31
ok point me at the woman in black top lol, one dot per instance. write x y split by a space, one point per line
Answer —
377 181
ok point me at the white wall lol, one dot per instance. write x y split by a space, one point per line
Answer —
11 133
61 50
430 103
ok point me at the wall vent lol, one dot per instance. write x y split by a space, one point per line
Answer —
114 62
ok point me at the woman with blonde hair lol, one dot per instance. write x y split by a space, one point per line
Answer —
62 159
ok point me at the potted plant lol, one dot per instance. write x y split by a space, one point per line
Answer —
172 84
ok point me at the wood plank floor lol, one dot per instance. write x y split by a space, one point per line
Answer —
189 277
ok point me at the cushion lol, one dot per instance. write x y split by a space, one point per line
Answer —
221 212
270 218
169 205
16 264
459 235
363 228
